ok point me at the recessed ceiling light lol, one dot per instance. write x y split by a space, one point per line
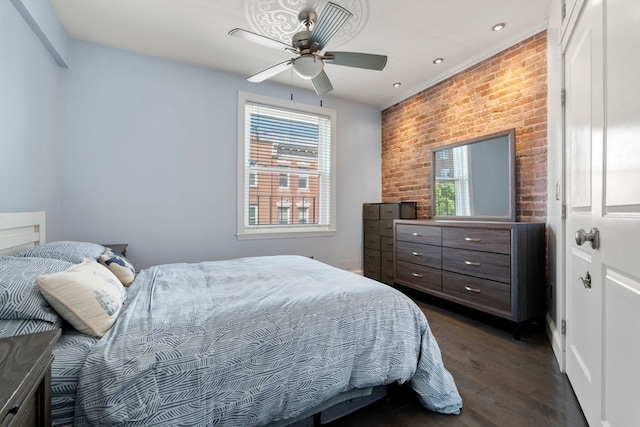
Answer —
397 84
499 26
438 60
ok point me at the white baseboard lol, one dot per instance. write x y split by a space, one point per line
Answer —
557 342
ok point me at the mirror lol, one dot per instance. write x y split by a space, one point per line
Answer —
475 179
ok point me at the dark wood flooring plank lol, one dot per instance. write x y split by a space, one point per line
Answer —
502 381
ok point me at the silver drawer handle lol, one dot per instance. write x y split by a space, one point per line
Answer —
470 289
475 264
390 243
417 234
471 239
416 253
419 276
388 211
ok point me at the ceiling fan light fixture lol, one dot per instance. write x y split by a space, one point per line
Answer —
307 66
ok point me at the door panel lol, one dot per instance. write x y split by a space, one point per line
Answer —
583 129
602 120
621 349
620 221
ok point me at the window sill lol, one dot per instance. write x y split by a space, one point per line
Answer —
264 234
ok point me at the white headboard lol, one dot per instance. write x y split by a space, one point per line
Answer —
20 230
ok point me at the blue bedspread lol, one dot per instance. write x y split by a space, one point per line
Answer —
248 341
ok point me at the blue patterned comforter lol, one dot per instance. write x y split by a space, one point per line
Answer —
249 341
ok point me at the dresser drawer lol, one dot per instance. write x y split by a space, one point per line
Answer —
386 260
389 210
494 295
386 244
419 234
479 264
372 271
371 226
386 227
416 253
371 211
478 239
386 276
418 276
371 256
372 241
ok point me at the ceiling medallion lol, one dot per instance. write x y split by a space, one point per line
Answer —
278 19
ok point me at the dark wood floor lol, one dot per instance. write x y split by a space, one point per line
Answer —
503 382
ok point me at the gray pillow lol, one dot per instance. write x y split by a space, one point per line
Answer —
74 252
20 297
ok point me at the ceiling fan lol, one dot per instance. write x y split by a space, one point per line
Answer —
308 45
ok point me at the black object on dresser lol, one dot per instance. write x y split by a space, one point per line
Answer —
378 237
25 375
494 267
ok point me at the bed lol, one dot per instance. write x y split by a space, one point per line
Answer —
273 340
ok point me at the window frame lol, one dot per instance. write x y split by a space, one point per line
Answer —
246 231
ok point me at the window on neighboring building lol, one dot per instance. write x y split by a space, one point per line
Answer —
253 214
303 179
283 178
278 139
283 215
303 214
253 175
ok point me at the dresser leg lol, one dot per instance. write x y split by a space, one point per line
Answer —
517 330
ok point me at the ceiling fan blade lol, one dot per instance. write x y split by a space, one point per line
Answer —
264 41
332 18
321 83
270 72
356 59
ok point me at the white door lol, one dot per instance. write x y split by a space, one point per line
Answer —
602 134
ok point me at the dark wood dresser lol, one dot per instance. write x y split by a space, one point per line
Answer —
494 267
25 379
378 237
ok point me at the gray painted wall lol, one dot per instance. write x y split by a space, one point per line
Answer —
29 143
149 157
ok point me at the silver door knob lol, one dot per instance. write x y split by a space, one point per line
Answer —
592 236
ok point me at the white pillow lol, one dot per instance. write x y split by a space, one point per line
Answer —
87 295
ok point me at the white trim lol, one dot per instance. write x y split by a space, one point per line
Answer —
557 341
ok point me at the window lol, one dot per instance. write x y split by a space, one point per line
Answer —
253 175
291 148
283 178
453 188
303 178
253 214
303 214
283 215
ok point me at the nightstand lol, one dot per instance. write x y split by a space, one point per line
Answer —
121 248
25 374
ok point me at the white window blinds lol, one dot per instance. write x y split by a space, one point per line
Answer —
285 160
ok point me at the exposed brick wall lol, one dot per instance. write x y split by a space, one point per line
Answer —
508 90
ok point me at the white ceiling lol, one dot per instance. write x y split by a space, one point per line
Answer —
412 33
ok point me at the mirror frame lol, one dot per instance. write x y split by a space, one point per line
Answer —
511 215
